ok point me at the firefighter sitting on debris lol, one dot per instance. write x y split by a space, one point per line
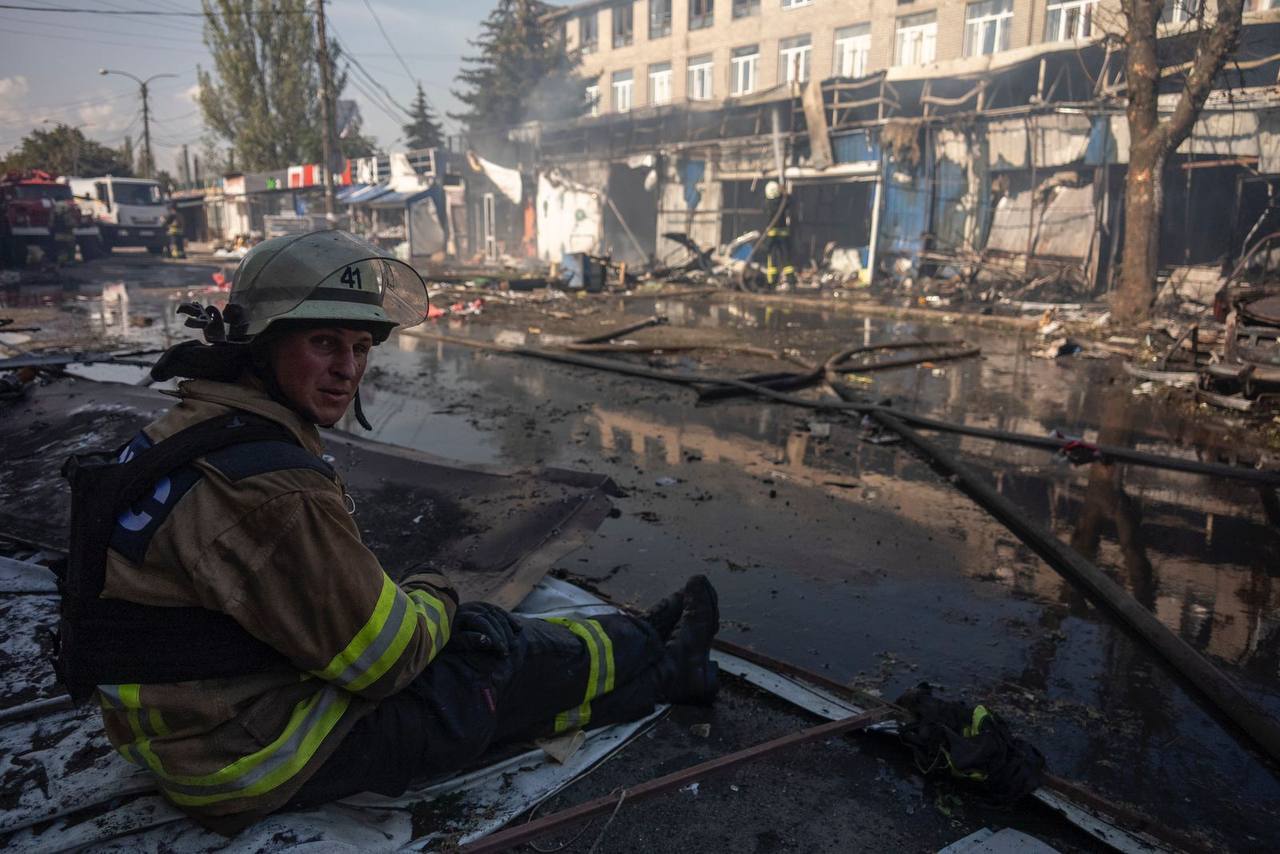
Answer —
173 228
246 648
777 245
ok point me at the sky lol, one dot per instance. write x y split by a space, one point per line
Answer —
49 66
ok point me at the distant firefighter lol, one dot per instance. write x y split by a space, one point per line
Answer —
777 244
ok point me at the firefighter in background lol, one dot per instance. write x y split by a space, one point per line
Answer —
173 226
777 245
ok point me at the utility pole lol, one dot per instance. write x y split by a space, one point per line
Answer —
326 110
148 164
186 167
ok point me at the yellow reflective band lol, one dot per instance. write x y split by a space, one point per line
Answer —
437 618
404 632
575 718
607 687
593 653
600 675
368 633
158 726
980 714
312 720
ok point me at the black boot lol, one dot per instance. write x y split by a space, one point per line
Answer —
686 672
664 616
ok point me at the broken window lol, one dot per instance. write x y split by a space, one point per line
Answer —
701 14
987 24
588 34
700 84
1069 19
660 83
659 18
793 59
853 50
917 40
1180 11
593 99
795 4
745 8
743 70
623 24
623 89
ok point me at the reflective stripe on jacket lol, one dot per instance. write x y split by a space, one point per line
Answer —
268 541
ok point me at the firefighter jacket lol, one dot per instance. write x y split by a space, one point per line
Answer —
266 539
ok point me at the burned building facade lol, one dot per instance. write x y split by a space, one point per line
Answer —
913 136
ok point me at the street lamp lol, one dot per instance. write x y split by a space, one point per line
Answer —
147 163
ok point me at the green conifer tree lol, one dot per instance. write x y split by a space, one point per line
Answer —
423 130
522 71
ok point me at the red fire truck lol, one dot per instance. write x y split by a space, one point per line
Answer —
37 210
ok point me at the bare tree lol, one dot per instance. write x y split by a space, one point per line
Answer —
1152 140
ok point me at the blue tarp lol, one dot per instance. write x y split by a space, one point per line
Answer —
858 147
396 200
364 194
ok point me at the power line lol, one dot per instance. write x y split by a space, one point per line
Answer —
150 13
185 50
369 77
387 39
63 27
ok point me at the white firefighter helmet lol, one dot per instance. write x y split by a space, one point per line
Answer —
772 190
323 276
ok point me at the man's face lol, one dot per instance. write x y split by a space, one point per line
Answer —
319 370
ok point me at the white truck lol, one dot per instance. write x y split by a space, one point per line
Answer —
128 211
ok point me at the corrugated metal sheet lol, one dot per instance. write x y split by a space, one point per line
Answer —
1269 142
1063 225
905 218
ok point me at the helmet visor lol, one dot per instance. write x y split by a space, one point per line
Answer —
374 280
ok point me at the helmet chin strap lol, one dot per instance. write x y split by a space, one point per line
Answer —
359 411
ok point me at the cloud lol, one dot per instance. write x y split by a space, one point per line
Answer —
13 98
99 118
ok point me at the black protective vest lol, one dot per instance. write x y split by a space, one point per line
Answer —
113 641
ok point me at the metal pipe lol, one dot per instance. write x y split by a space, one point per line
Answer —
513 836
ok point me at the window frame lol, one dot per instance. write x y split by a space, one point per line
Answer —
927 29
1056 19
738 59
863 51
796 4
704 18
976 27
662 22
745 9
619 85
790 48
584 46
592 95
627 37
703 67
663 70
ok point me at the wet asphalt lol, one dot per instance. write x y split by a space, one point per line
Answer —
855 559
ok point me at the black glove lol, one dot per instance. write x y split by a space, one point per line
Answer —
481 627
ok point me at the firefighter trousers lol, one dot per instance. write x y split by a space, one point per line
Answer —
501 678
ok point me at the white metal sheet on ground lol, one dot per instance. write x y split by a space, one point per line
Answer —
28 622
1006 841
71 790
19 576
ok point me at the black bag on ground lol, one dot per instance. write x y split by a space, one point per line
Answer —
972 743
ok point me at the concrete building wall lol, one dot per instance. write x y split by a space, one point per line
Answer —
771 24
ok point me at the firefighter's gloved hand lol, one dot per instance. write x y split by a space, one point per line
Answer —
481 627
